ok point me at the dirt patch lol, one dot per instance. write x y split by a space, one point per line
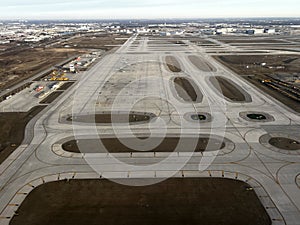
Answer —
13 129
173 64
255 116
20 64
207 201
252 64
229 89
168 144
276 75
253 41
15 91
101 41
200 41
65 86
188 90
109 118
49 99
284 143
178 42
159 43
201 64
200 117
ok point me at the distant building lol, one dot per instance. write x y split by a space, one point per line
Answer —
250 32
165 33
208 31
255 31
270 31
177 32
142 30
259 31
225 30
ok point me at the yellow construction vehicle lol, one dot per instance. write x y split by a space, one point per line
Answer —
266 81
58 75
62 79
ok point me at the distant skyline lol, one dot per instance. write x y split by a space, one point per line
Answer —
155 9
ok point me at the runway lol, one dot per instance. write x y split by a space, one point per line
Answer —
136 78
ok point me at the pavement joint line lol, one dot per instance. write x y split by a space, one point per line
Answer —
65 154
209 173
5 217
196 172
13 157
30 185
236 175
261 188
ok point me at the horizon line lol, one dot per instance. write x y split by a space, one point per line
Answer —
147 19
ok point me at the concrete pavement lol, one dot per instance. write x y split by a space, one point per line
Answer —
123 77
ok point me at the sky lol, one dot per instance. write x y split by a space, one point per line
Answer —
140 9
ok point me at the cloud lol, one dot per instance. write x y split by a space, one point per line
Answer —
67 9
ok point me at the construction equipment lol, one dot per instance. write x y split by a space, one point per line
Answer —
39 88
58 75
266 81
